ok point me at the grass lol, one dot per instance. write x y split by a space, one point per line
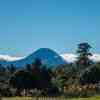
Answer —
17 98
41 98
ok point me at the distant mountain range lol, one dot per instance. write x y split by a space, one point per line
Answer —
47 56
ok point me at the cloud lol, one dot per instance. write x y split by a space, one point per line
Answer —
68 57
9 58
73 57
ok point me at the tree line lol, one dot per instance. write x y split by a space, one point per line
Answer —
43 80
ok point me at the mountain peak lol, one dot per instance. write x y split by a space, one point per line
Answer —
48 56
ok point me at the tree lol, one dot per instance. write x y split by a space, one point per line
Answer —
65 75
22 79
11 68
83 52
28 67
34 76
37 62
2 69
92 75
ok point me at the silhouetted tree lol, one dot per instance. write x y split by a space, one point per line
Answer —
2 68
11 68
37 77
83 54
37 62
28 67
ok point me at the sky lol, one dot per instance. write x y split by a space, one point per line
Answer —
27 25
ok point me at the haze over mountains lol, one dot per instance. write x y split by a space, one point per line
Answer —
46 55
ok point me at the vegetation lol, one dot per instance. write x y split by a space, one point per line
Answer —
49 98
78 79
83 52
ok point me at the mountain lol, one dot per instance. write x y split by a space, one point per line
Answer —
73 57
46 55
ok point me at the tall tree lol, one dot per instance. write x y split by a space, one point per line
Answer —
83 52
91 76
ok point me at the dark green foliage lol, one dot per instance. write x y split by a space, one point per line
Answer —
37 62
11 68
33 77
91 76
2 69
51 82
22 79
28 67
83 54
65 75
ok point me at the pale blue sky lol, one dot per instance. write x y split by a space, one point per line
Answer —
26 25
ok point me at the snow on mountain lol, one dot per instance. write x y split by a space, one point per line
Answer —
73 57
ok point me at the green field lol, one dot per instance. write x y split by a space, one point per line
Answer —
41 98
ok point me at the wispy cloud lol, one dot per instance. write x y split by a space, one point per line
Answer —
73 57
9 58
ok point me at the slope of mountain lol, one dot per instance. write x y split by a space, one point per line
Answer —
47 56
